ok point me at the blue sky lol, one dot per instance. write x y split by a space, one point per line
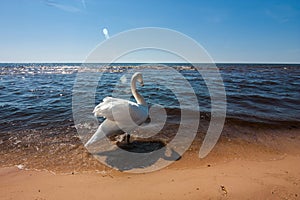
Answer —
230 30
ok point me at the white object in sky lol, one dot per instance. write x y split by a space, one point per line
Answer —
105 32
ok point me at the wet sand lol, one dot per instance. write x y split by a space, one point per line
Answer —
253 162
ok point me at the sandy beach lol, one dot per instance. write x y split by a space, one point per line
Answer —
257 163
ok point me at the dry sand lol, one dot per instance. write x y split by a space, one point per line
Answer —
237 179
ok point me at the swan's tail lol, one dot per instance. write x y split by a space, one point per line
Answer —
97 136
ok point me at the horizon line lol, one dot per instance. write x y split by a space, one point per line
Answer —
218 62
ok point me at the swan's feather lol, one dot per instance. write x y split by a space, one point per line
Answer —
122 111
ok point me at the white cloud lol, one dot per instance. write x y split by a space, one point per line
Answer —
68 7
281 13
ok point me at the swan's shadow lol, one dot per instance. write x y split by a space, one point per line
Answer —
138 155
141 146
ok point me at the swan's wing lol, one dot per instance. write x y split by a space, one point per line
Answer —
122 111
110 107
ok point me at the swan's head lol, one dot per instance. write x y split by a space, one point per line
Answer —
138 77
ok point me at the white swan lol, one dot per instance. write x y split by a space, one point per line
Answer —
122 116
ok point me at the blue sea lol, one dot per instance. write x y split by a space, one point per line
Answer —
39 95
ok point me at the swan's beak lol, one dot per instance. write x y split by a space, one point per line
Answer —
142 84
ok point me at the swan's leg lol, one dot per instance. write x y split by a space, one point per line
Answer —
127 138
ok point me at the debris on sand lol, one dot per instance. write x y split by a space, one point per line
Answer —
20 167
224 190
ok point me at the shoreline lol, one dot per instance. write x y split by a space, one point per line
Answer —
247 162
61 150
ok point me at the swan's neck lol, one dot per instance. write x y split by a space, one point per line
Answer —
139 98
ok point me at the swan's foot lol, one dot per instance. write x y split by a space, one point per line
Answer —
125 138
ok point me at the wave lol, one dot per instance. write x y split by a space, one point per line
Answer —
40 94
